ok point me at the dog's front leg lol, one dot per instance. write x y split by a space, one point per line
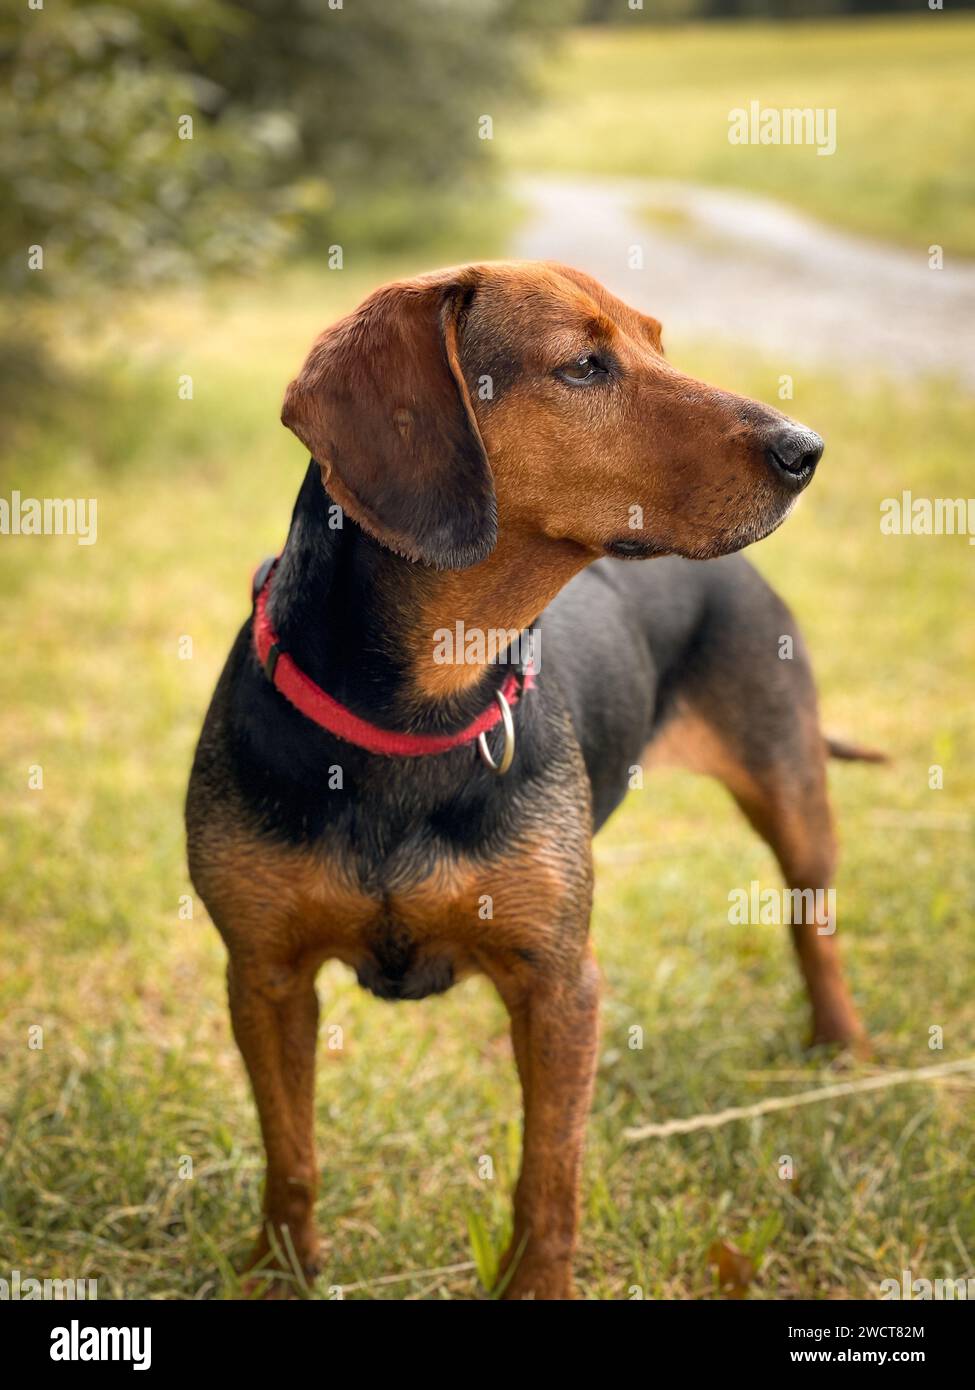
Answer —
555 1027
275 1021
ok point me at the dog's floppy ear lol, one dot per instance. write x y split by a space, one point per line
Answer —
382 405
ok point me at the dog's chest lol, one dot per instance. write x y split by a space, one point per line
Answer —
409 925
417 927
412 892
406 903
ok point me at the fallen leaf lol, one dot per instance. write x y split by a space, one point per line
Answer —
735 1269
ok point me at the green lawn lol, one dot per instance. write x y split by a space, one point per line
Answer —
654 102
138 1067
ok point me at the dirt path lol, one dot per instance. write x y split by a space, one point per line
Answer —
719 263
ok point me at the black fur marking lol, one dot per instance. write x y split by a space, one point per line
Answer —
395 970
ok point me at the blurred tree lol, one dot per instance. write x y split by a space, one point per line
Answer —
292 105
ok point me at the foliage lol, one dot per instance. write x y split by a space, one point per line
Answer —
295 107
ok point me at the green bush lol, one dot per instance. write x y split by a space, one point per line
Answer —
297 109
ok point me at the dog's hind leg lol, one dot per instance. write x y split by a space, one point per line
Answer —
793 817
748 716
782 791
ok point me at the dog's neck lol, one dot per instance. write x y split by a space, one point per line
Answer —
369 626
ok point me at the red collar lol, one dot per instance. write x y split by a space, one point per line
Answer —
318 706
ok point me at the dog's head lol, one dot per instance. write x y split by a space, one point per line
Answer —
524 394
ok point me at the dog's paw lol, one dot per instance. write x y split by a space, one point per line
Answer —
280 1265
845 1046
524 1275
544 1283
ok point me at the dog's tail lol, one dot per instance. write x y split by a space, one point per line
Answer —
853 753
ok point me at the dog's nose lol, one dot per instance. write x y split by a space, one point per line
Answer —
793 453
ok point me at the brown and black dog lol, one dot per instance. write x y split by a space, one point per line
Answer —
491 444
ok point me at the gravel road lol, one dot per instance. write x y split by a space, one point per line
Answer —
720 263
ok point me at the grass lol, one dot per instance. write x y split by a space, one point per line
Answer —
641 101
138 1072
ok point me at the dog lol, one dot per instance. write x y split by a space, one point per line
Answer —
495 445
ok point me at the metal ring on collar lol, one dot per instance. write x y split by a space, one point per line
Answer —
508 752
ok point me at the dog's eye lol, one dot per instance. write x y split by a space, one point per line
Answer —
582 372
